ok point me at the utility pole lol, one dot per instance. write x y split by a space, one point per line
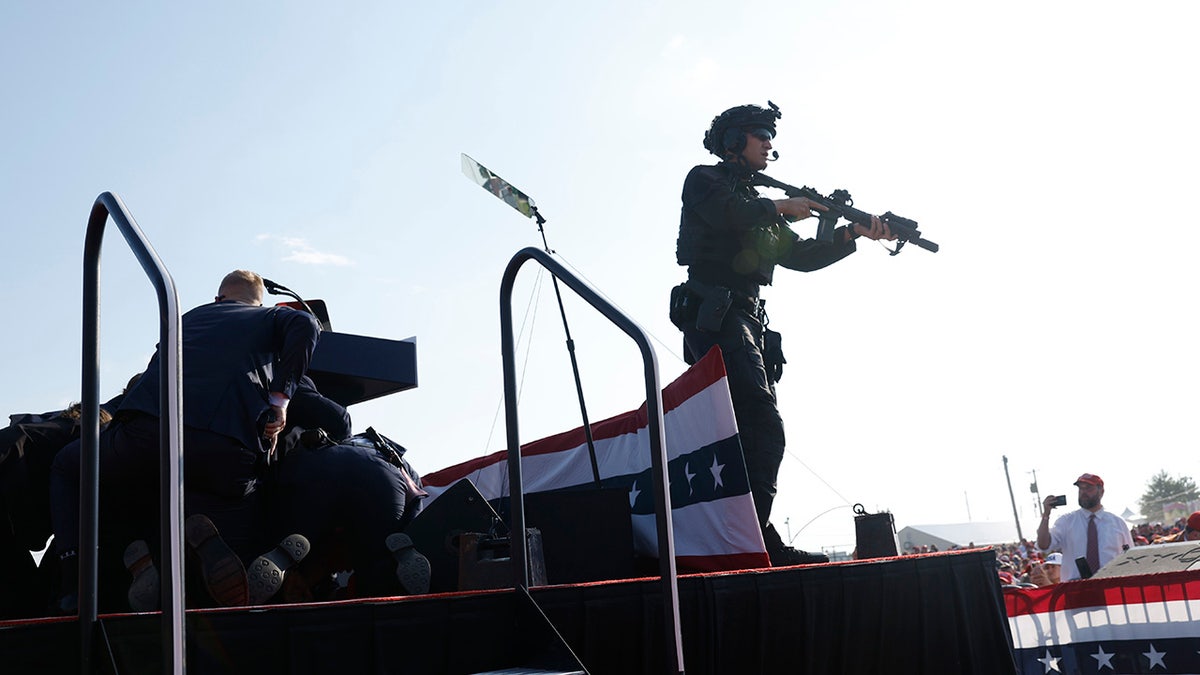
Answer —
1037 495
1012 498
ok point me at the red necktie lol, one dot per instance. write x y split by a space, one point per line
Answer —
1093 545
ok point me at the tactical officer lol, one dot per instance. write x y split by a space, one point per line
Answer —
731 239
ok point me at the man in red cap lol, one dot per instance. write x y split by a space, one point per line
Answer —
1191 532
1191 529
1090 533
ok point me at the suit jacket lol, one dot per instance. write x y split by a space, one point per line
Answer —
234 354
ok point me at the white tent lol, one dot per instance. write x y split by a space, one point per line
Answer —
1131 517
958 534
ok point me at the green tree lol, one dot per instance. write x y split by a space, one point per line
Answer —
1163 488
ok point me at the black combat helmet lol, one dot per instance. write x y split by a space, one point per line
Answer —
728 130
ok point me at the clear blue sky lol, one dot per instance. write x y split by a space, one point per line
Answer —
1050 150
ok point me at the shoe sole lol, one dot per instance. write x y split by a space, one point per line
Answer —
223 573
412 568
144 590
266 573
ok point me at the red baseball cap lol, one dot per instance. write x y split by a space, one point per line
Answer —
1090 479
1193 522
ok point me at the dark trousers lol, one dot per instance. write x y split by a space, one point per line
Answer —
21 594
219 481
760 427
346 497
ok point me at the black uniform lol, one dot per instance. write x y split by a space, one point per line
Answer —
27 447
349 495
309 409
731 239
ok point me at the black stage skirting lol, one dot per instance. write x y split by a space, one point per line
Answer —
939 613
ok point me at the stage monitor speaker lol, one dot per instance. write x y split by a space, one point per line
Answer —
587 535
485 562
435 530
875 535
1176 557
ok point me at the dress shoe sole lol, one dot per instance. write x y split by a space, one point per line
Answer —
144 591
267 571
412 568
223 573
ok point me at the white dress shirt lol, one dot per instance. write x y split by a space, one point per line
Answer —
1069 535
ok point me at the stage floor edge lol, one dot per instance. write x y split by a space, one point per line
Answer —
936 613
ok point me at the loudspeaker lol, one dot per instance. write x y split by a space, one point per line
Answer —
486 562
435 530
1176 557
587 535
875 535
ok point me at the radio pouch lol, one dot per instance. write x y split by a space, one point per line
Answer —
713 307
773 354
684 306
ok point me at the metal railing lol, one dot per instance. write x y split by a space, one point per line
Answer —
170 387
657 437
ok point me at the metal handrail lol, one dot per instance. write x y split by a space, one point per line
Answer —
657 437
170 387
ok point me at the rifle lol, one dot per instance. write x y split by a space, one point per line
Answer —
841 205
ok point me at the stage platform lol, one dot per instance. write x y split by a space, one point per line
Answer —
937 613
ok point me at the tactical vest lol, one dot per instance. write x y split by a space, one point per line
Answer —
750 255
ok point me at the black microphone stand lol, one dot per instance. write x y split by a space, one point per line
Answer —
587 427
498 187
275 289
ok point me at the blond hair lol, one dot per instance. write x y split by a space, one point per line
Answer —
242 285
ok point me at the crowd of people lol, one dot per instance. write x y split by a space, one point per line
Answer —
1087 539
1022 564
1162 533
280 499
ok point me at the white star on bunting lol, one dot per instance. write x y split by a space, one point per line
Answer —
1050 662
716 470
1103 660
1155 656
